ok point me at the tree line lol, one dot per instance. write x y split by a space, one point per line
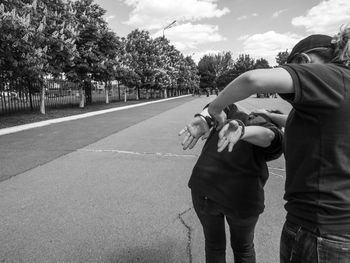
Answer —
218 70
72 39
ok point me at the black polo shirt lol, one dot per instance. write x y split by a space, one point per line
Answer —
235 179
317 147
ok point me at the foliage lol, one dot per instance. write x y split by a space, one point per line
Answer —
140 57
33 36
261 63
281 57
206 69
90 25
109 52
244 63
71 38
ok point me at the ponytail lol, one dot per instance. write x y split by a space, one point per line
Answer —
341 45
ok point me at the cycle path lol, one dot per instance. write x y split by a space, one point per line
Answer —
123 198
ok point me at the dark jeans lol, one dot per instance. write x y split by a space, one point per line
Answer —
299 245
212 217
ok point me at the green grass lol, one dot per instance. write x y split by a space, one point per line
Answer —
35 116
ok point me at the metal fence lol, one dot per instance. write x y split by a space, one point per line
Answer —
19 96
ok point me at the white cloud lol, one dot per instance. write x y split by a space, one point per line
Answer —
326 17
267 45
155 14
109 18
189 36
278 13
242 38
244 17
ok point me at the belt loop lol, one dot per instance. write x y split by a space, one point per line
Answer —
296 239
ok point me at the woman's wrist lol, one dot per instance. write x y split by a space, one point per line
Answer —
213 109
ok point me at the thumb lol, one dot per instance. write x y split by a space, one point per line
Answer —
206 135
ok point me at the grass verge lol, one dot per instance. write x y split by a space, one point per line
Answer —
20 118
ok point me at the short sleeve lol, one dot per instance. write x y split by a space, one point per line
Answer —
274 150
316 86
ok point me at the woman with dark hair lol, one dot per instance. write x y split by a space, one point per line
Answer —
316 81
230 185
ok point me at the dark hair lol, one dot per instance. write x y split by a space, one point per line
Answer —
275 111
241 116
341 45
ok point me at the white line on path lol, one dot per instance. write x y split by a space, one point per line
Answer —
140 153
275 168
76 117
278 175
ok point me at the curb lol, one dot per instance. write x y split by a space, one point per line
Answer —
23 127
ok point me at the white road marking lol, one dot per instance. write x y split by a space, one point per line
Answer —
76 117
141 153
278 175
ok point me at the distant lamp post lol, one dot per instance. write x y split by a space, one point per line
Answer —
169 26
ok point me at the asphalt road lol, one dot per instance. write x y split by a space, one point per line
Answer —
25 150
113 188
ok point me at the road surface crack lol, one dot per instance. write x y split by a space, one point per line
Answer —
189 235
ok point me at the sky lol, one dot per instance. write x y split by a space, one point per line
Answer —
260 28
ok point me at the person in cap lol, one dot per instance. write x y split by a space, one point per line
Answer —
316 82
230 184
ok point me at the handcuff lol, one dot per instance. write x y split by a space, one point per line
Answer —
211 123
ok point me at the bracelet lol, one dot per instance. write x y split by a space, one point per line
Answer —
208 119
241 123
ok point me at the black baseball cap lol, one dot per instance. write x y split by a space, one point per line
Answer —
310 43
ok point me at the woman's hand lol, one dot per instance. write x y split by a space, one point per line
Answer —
218 117
197 128
229 135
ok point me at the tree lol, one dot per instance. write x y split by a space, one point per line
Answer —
141 57
225 78
26 47
223 62
244 63
215 69
190 74
207 73
109 52
281 57
89 27
261 63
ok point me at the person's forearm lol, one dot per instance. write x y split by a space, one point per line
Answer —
258 135
236 90
276 80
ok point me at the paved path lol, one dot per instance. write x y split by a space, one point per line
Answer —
113 188
22 151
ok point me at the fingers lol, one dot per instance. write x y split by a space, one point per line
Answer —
230 146
187 141
187 137
228 136
222 144
193 143
183 131
223 131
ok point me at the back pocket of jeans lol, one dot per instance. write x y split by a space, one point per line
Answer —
333 251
